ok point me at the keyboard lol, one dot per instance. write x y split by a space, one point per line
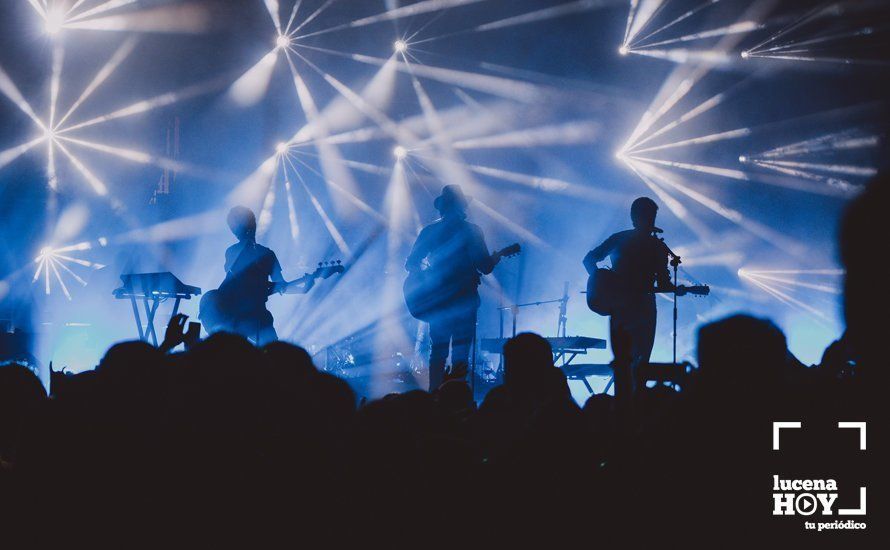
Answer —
559 344
154 285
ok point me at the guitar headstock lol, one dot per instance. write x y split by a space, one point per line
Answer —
327 269
510 251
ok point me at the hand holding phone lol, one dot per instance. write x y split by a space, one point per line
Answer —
193 335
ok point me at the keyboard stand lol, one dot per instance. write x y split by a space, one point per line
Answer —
152 289
151 309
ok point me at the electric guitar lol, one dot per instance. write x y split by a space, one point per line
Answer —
220 308
426 292
325 270
606 291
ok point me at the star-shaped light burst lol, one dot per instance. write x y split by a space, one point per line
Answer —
60 262
59 15
50 128
58 130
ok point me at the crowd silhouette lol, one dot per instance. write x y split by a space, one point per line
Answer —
227 442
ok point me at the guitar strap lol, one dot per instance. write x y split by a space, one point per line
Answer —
236 265
456 241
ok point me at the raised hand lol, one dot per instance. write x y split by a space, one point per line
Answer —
175 333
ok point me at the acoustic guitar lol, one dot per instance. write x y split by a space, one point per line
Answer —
606 291
425 294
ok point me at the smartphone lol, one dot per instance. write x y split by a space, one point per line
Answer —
193 334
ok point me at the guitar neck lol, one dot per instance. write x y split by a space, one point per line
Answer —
288 285
697 289
511 250
323 272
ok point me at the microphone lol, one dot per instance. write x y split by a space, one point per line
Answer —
657 229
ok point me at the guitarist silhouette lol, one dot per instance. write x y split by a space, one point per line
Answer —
241 299
457 255
639 262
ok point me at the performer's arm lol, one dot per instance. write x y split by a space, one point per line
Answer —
285 286
418 253
663 274
276 275
479 252
598 254
230 259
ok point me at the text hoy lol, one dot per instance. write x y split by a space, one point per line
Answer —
800 497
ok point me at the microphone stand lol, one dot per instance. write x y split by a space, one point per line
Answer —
675 264
563 318
514 310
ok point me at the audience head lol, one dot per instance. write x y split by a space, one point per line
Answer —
528 358
129 357
455 396
741 352
289 360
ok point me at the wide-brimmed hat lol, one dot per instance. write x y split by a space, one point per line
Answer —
452 197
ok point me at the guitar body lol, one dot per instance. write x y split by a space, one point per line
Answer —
225 309
422 296
218 311
603 291
606 291
427 291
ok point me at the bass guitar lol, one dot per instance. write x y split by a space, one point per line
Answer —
425 294
219 309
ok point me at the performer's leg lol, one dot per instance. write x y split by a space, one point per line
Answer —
463 330
267 335
622 342
440 337
643 339
264 329
241 327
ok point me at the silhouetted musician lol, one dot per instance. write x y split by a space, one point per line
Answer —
640 260
249 269
457 256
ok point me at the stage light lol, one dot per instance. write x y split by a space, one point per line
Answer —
736 28
399 152
729 134
283 41
499 86
623 50
53 263
743 159
281 148
620 155
400 46
54 21
745 55
571 133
